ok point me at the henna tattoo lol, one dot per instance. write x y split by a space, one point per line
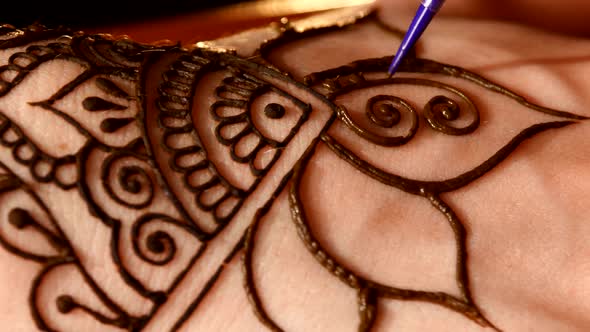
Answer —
158 182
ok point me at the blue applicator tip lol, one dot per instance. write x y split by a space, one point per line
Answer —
424 15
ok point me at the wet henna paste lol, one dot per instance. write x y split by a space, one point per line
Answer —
133 173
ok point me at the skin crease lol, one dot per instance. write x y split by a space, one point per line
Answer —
527 219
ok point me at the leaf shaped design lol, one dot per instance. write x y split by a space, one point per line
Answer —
34 234
447 110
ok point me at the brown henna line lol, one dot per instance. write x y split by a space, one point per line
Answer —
21 219
434 112
464 306
158 242
173 103
274 111
37 158
249 284
109 87
65 304
385 115
111 125
94 104
367 302
11 37
131 174
423 66
287 33
441 110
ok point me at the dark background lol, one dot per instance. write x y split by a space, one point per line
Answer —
89 13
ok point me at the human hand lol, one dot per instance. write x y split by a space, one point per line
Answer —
524 217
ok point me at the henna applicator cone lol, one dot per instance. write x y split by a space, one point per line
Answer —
423 17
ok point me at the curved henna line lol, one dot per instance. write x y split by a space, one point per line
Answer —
32 33
433 67
367 302
439 298
115 226
69 87
175 283
9 183
235 138
123 319
240 245
460 236
26 255
55 51
127 180
200 166
441 110
146 219
214 205
386 115
174 162
196 67
461 274
111 125
38 156
56 242
375 138
289 34
67 304
62 242
36 315
97 104
248 274
74 123
85 192
465 307
425 66
120 54
247 67
413 81
111 88
202 63
263 171
91 143
434 119
254 90
94 62
114 307
79 80
417 187
250 156
151 59
304 231
157 297
68 257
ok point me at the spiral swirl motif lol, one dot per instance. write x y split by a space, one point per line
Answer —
127 184
441 111
385 115
384 111
156 246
